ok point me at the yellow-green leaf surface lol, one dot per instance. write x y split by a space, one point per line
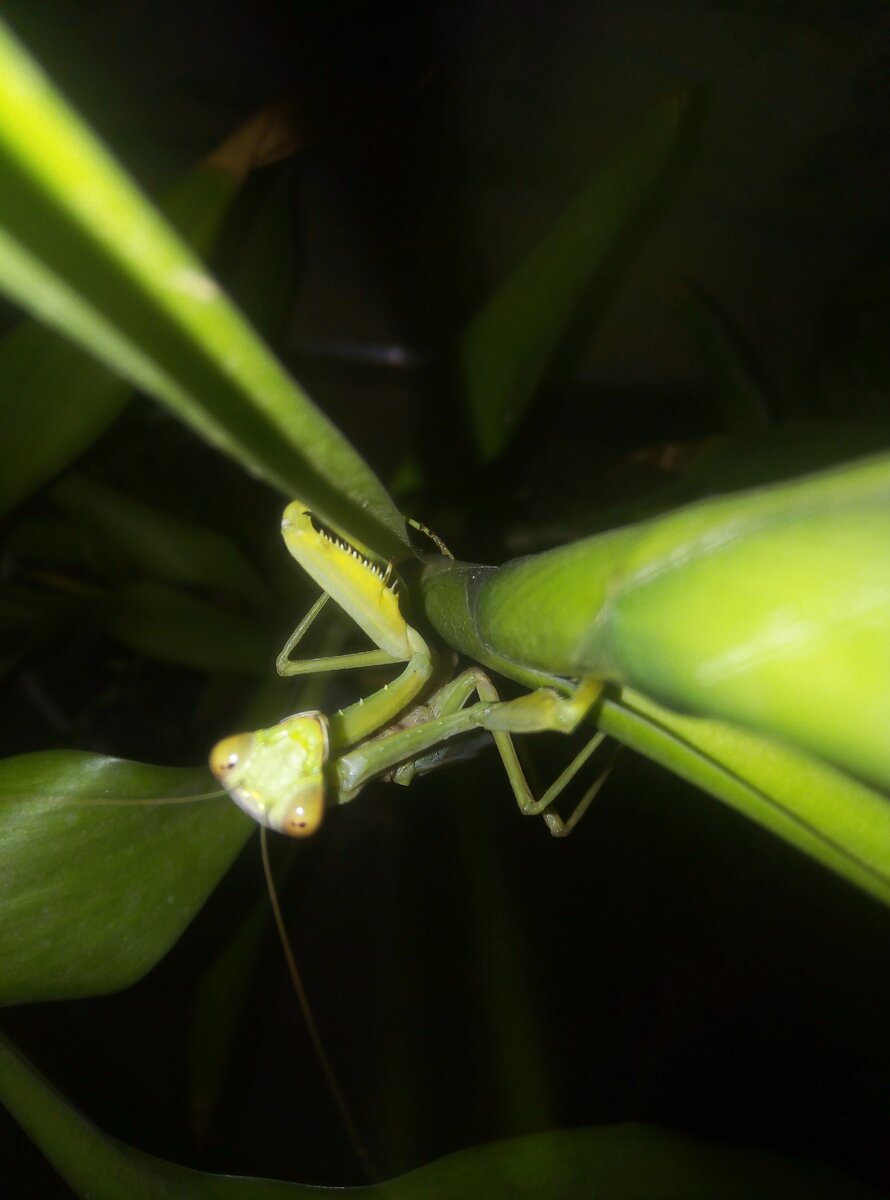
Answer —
103 863
613 1162
508 344
82 249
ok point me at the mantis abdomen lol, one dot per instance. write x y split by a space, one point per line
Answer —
769 609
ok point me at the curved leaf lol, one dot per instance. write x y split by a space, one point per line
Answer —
167 547
55 400
103 863
83 250
840 822
507 346
617 1162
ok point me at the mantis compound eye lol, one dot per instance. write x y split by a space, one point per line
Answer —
229 754
304 815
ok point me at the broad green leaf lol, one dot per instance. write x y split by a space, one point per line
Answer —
103 863
838 821
163 546
172 625
508 344
82 249
613 1162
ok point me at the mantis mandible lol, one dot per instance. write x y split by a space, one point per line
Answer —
284 776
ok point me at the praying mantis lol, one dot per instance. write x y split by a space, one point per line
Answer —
284 776
769 610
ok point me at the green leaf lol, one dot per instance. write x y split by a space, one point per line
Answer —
55 400
83 250
838 821
508 344
617 1162
167 547
103 863
173 626
54 403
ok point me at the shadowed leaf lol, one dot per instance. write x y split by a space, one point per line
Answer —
102 866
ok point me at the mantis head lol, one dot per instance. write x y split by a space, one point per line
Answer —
276 775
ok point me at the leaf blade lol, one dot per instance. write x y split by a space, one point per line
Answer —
94 892
83 250
507 345
617 1162
842 823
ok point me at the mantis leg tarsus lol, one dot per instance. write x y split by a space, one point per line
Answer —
544 709
562 828
529 806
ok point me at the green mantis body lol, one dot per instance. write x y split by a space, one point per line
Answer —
769 610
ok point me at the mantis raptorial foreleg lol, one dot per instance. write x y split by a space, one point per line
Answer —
277 775
364 591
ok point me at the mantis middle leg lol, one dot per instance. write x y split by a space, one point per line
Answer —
409 746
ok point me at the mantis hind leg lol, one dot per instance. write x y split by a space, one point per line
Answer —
560 713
